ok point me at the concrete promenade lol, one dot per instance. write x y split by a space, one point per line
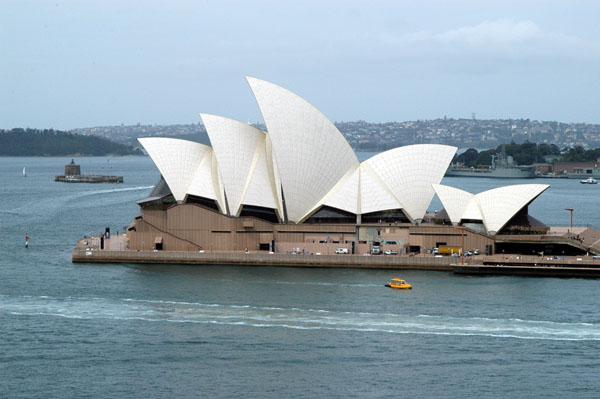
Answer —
88 251
82 255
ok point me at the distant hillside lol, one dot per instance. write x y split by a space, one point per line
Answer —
34 142
367 136
527 154
128 135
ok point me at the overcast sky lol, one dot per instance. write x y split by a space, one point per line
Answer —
68 64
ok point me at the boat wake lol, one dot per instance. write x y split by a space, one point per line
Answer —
310 283
114 190
294 318
48 209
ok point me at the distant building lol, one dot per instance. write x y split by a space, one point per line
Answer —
575 167
72 169
73 175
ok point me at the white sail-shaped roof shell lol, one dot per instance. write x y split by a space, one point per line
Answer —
499 205
260 190
178 161
455 201
494 207
206 181
311 154
410 171
247 175
306 159
346 195
374 194
473 210
274 170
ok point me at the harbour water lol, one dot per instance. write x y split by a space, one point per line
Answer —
155 331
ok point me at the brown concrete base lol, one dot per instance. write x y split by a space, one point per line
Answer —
264 259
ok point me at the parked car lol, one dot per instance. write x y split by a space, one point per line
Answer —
468 253
341 251
476 252
390 252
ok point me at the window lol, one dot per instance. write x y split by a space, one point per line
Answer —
260 212
327 214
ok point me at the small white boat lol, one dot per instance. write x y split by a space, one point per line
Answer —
589 180
25 172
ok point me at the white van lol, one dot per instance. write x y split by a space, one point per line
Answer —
341 251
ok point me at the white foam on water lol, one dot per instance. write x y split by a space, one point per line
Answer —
49 208
294 318
114 190
317 283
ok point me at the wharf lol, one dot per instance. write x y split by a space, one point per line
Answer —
579 266
88 251
262 259
115 250
482 265
551 176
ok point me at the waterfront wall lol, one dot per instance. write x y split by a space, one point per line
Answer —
264 259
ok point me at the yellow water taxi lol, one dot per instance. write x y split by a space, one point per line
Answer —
399 283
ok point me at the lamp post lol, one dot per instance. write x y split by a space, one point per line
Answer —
462 244
570 210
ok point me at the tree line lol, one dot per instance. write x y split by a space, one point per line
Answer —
527 154
50 142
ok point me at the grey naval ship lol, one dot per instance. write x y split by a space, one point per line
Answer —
503 166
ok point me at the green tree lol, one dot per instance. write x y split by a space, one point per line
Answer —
34 142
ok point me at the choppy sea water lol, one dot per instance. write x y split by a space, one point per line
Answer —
155 331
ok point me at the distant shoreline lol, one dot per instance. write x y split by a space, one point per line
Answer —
49 142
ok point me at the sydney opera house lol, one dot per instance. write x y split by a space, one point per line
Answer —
299 187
